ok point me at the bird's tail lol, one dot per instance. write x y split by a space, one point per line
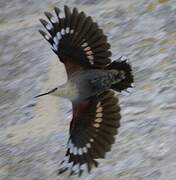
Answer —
124 68
76 37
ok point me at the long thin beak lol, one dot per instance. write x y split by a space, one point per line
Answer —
49 92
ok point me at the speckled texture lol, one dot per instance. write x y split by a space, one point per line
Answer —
34 132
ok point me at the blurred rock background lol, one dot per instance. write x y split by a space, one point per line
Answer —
34 132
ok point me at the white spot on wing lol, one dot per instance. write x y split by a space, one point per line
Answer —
56 41
96 125
98 120
98 105
91 57
88 145
80 151
84 44
58 35
100 109
91 62
47 37
71 31
71 147
87 48
55 47
63 31
84 150
53 20
91 140
67 30
75 151
49 26
99 115
89 52
71 150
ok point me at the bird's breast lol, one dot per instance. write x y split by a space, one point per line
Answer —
70 91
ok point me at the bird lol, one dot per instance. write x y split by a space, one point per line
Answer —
92 86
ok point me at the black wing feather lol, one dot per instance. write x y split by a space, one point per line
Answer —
76 39
92 132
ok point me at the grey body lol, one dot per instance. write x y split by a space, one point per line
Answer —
87 83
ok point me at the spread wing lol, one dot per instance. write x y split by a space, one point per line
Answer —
77 40
93 127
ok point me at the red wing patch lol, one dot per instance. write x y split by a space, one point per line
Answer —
76 40
93 127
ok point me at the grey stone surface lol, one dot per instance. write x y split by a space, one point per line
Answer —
142 30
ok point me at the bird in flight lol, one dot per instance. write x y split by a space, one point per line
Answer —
92 81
